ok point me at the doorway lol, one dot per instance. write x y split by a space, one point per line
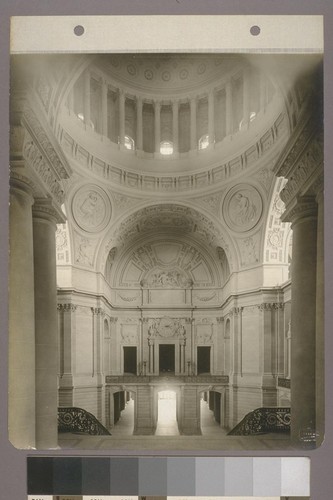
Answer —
167 359
130 363
167 414
203 359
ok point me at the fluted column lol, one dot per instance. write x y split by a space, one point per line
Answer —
175 126
303 313
104 108
228 112
46 324
211 119
193 112
157 126
139 124
21 376
87 98
121 117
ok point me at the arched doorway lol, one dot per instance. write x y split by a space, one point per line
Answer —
121 411
212 410
167 413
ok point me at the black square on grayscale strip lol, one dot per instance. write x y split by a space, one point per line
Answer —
40 475
67 476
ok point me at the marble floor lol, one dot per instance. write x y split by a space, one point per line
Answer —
167 438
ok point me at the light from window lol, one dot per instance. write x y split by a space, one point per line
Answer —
252 116
129 142
166 148
80 116
204 142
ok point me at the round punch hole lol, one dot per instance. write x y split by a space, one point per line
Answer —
78 30
255 30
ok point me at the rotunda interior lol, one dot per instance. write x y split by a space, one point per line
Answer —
166 237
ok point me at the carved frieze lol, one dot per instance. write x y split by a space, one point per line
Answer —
242 207
38 163
39 136
166 327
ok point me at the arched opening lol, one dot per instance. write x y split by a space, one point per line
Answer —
167 413
211 413
121 409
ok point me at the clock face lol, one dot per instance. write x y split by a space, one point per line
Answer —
167 327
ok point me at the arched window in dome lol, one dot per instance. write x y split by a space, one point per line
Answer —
166 148
129 143
204 142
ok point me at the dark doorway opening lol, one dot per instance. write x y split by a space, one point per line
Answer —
203 359
167 358
130 360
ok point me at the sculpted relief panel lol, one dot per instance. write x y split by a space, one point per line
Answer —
242 208
91 208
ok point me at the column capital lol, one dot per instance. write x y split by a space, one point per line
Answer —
45 210
113 319
22 184
67 307
303 208
220 319
97 311
237 310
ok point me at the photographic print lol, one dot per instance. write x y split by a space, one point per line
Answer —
166 249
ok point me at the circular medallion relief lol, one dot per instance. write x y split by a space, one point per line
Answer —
91 208
242 207
166 327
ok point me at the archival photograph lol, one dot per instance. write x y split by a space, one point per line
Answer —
166 251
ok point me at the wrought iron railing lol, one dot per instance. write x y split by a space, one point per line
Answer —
263 421
78 420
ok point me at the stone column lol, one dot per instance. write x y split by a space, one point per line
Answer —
303 312
219 348
121 117
139 124
268 355
193 112
46 324
21 357
104 108
87 98
67 353
228 111
157 126
211 124
175 126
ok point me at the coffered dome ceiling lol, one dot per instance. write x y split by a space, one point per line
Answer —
160 73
